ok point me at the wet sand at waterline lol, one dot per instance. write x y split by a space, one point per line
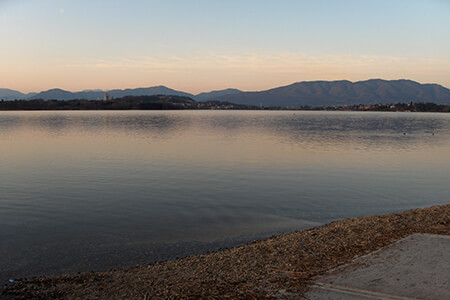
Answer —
283 266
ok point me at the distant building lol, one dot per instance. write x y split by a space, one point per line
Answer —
106 97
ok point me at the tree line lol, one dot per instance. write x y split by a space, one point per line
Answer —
160 102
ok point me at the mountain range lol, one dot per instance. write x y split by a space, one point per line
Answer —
313 93
8 94
320 93
59 94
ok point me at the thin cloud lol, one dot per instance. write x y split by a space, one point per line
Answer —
286 61
262 70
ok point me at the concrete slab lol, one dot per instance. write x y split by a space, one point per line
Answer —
416 267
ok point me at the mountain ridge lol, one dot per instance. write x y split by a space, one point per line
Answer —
343 92
213 94
316 93
9 94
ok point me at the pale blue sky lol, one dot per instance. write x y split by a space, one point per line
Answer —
201 45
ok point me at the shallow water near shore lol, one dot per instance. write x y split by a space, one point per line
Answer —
94 190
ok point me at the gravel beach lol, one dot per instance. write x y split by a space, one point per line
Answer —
279 267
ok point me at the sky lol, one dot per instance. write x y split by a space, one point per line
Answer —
203 45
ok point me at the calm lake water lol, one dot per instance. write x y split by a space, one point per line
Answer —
90 190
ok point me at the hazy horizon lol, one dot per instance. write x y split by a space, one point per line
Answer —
212 45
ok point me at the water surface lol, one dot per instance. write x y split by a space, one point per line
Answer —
93 190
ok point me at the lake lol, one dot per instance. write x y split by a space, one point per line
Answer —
94 190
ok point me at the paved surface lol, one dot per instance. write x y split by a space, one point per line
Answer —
417 267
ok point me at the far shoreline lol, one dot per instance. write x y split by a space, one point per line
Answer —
171 102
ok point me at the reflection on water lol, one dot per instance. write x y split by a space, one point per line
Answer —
97 190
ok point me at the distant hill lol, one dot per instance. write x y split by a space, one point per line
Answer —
58 94
156 90
311 93
319 93
214 94
8 94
